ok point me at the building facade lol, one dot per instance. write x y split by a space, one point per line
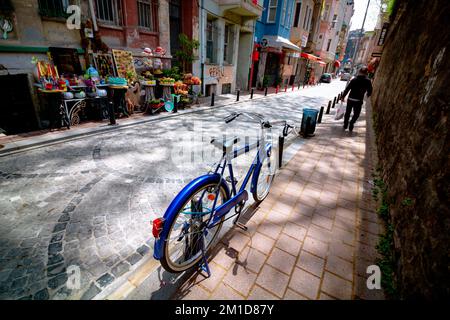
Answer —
226 29
274 55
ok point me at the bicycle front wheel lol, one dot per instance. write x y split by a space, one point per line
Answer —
265 175
189 233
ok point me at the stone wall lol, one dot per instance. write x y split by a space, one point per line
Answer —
411 105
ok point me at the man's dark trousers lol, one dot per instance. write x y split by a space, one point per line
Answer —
356 106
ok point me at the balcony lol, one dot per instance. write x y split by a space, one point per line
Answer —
243 8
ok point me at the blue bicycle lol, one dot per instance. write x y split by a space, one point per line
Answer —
194 218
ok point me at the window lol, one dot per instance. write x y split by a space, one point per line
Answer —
211 39
306 17
53 8
228 44
283 13
333 23
109 11
226 88
309 20
272 13
298 9
289 17
325 13
329 44
147 12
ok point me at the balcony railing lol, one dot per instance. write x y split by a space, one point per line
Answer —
246 8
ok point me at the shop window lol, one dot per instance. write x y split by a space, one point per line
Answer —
211 41
226 88
53 8
109 12
147 13
272 13
209 89
228 44
329 44
333 23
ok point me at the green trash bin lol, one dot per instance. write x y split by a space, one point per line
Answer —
309 121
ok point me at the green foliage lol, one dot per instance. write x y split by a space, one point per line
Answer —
391 6
407 202
186 54
174 73
385 246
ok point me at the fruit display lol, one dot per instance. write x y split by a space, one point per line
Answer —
191 80
166 81
181 88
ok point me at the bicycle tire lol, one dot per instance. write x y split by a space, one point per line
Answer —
166 262
272 161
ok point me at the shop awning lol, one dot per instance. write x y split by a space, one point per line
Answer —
310 56
321 63
280 42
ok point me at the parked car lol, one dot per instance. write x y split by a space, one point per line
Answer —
346 76
326 77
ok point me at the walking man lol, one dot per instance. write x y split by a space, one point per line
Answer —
358 87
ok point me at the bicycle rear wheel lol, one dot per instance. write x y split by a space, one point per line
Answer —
188 232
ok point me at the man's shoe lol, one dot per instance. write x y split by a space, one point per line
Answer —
351 127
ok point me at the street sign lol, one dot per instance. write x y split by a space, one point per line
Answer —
383 34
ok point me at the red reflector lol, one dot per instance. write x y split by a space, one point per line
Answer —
211 197
157 227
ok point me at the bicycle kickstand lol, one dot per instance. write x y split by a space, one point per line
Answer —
204 266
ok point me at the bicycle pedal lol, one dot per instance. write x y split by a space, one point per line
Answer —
241 226
228 179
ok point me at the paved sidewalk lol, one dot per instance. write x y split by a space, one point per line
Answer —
315 234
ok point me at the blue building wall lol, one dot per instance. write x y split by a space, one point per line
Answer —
280 28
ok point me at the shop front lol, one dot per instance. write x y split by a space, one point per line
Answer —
277 58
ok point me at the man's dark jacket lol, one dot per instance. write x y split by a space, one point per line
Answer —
358 86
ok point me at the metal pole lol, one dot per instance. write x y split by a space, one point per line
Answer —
334 102
251 94
212 99
329 106
112 115
280 150
319 120
265 92
237 96
360 34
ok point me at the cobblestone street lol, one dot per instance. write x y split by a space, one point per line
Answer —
89 202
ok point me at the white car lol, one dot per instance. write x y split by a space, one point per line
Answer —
346 76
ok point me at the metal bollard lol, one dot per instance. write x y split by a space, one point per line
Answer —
237 94
265 92
280 151
328 108
251 94
276 89
292 87
285 88
212 99
175 105
339 96
334 102
112 114
319 119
